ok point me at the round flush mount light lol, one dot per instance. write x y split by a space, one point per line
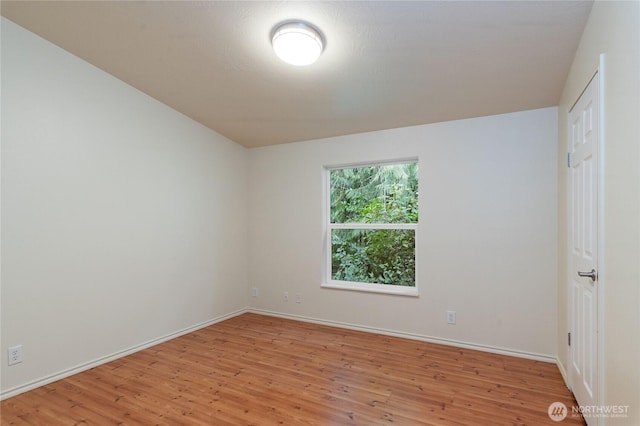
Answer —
297 43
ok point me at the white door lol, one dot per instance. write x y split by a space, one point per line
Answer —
583 225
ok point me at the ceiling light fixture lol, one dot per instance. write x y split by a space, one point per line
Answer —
297 43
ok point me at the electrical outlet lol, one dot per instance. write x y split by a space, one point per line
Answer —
298 297
254 292
15 355
286 296
451 317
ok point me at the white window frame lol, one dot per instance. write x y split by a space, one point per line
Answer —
327 281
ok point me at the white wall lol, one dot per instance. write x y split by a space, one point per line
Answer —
613 29
487 230
122 220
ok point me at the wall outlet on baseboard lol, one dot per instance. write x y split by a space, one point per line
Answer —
254 291
451 317
286 296
298 297
14 355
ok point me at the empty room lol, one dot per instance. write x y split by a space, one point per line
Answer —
320 213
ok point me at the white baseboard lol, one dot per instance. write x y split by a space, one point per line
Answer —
429 339
563 373
103 360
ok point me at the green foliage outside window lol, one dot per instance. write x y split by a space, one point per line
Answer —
384 194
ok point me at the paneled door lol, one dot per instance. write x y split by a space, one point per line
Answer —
583 225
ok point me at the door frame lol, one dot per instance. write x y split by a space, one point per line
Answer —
600 146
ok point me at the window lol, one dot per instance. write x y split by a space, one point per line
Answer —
372 218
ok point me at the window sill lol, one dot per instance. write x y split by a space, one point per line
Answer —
372 288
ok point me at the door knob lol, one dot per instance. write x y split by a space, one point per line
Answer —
591 274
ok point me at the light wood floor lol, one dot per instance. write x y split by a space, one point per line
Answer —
259 370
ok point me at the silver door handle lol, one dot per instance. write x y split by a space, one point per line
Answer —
592 274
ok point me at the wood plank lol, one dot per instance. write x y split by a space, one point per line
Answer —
259 370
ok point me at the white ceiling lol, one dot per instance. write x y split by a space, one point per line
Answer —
386 64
